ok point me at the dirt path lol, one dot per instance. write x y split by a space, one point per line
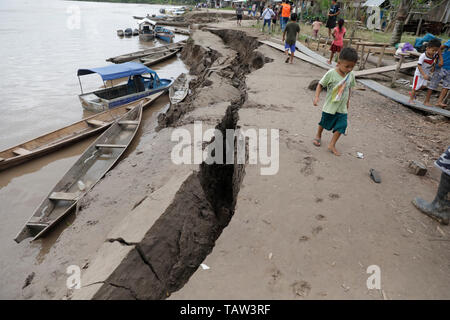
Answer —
309 231
312 230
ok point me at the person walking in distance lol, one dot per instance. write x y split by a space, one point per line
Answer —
285 13
290 36
332 16
267 16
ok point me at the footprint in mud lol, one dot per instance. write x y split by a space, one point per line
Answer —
303 239
301 288
334 196
316 230
321 217
308 169
292 144
318 200
275 274
319 178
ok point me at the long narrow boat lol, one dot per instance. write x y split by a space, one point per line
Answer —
158 57
180 89
139 54
182 31
67 135
93 164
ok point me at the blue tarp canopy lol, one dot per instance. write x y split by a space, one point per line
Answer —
117 71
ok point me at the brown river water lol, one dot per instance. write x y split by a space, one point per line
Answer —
43 44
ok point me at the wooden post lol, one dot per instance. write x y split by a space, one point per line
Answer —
380 58
418 27
362 56
364 63
394 77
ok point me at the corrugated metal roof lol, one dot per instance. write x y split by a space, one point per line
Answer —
373 3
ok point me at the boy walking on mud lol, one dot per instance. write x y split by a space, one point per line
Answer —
442 72
290 36
425 68
339 82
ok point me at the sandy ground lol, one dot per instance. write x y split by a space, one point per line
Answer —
312 230
308 232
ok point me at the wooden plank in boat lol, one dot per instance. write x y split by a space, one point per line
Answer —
64 196
21 151
129 122
97 123
111 146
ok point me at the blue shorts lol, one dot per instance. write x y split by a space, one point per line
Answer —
289 47
335 122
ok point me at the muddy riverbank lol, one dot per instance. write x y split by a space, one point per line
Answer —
309 231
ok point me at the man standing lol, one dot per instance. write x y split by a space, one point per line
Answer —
290 37
332 16
285 13
267 16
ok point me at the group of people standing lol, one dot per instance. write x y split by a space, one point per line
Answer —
270 14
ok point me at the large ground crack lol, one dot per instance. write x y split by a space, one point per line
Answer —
185 233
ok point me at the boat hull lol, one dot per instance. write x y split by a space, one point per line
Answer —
68 135
167 37
92 165
146 36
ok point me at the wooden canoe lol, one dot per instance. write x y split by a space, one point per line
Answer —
72 133
182 31
92 165
139 54
158 57
180 89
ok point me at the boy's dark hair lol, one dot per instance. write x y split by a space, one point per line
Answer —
434 43
294 16
348 54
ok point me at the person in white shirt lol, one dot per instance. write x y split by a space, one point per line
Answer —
425 68
267 16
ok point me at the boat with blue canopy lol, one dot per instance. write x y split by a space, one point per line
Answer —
142 82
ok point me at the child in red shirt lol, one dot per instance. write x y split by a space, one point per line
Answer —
338 42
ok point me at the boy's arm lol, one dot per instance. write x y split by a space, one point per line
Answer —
284 34
349 95
424 75
441 59
316 98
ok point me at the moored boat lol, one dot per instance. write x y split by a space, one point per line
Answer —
137 87
128 32
146 29
182 31
120 33
158 57
92 165
67 135
135 32
139 54
164 34
180 89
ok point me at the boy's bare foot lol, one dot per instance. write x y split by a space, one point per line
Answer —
334 151
427 104
329 62
441 105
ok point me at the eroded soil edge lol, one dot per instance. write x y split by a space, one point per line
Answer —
179 241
